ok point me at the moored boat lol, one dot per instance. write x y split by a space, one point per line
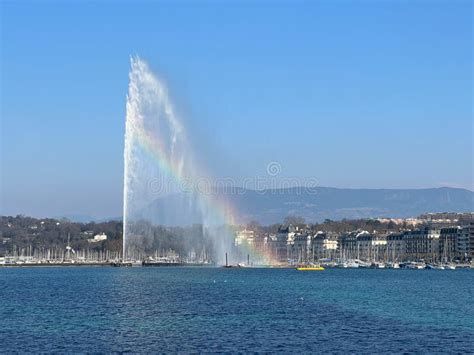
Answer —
434 267
377 265
415 266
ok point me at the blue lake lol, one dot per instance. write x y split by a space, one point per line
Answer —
86 309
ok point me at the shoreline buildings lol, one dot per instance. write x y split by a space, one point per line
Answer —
432 244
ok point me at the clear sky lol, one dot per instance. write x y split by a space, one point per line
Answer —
352 93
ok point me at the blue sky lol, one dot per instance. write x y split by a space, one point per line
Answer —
352 93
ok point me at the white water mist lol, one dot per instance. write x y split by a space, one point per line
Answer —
158 163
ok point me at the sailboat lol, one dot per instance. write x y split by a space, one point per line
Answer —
447 265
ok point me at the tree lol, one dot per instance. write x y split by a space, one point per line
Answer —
296 221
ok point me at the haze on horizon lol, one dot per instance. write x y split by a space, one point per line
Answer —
368 94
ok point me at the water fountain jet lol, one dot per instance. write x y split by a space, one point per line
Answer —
160 173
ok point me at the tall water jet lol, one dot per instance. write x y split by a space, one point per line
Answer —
161 176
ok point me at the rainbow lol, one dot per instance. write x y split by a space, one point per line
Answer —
217 207
225 212
156 151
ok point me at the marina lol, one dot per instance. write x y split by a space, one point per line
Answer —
350 264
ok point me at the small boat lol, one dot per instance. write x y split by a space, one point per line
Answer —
126 263
450 267
415 266
310 268
363 264
375 265
352 264
434 267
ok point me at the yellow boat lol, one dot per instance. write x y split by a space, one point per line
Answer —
310 268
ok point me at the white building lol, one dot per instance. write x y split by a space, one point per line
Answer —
301 244
395 247
370 247
422 244
98 238
244 237
323 246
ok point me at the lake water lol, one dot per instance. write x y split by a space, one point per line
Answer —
86 309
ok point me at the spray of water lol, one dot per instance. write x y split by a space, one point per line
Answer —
159 168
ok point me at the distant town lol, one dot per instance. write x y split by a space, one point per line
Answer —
437 241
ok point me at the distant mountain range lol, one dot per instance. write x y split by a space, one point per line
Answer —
317 204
